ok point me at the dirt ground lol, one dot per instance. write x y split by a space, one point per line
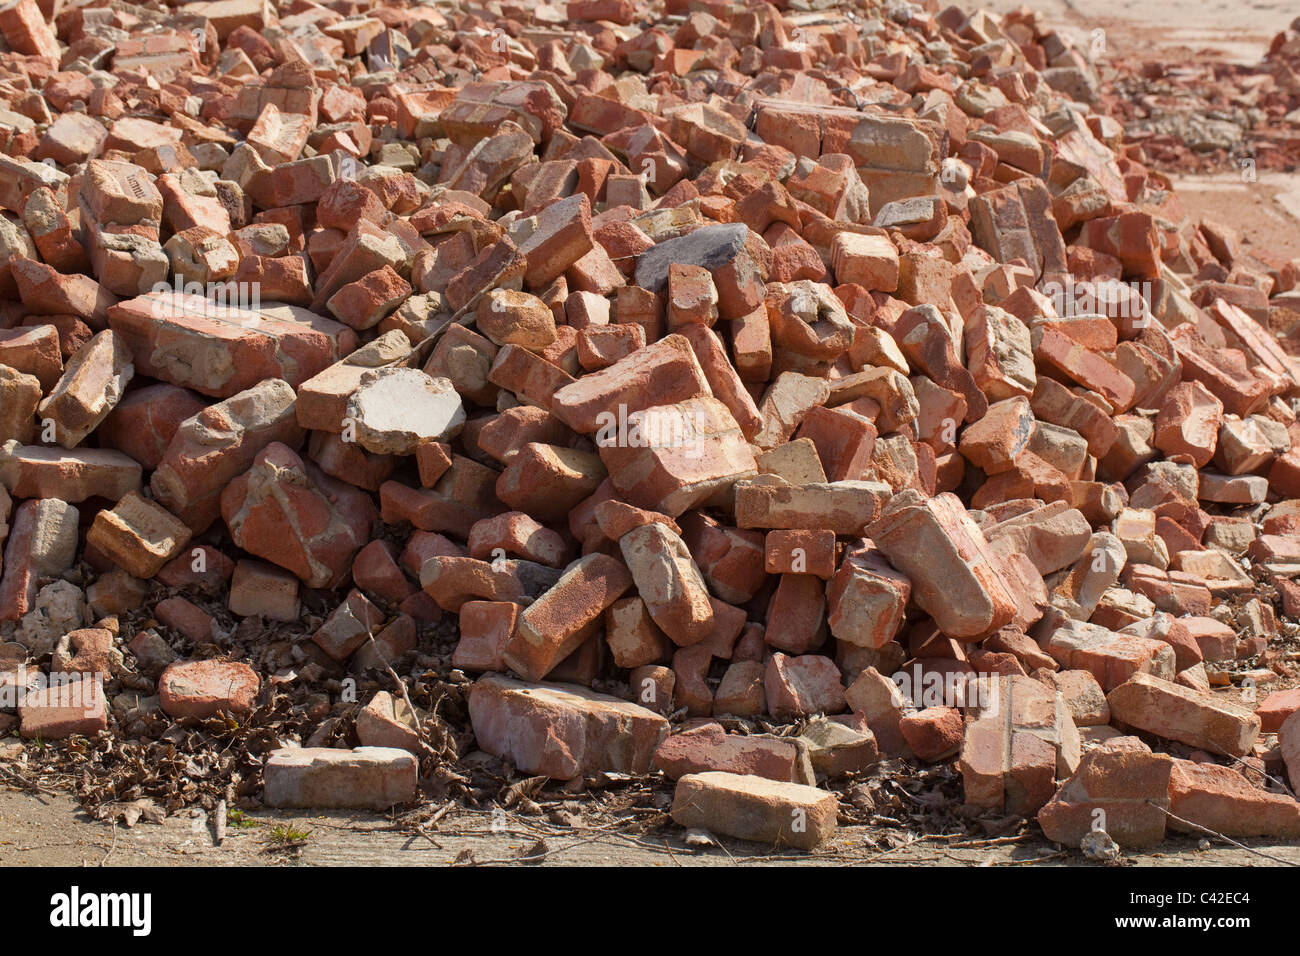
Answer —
1266 213
44 830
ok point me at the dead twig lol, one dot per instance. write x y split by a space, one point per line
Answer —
219 824
401 686
112 846
1029 862
21 781
671 855
543 855
1226 839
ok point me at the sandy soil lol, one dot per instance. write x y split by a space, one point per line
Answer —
1266 213
41 830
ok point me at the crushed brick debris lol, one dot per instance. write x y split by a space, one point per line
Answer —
743 396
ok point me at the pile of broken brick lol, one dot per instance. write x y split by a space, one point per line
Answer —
1210 116
707 363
